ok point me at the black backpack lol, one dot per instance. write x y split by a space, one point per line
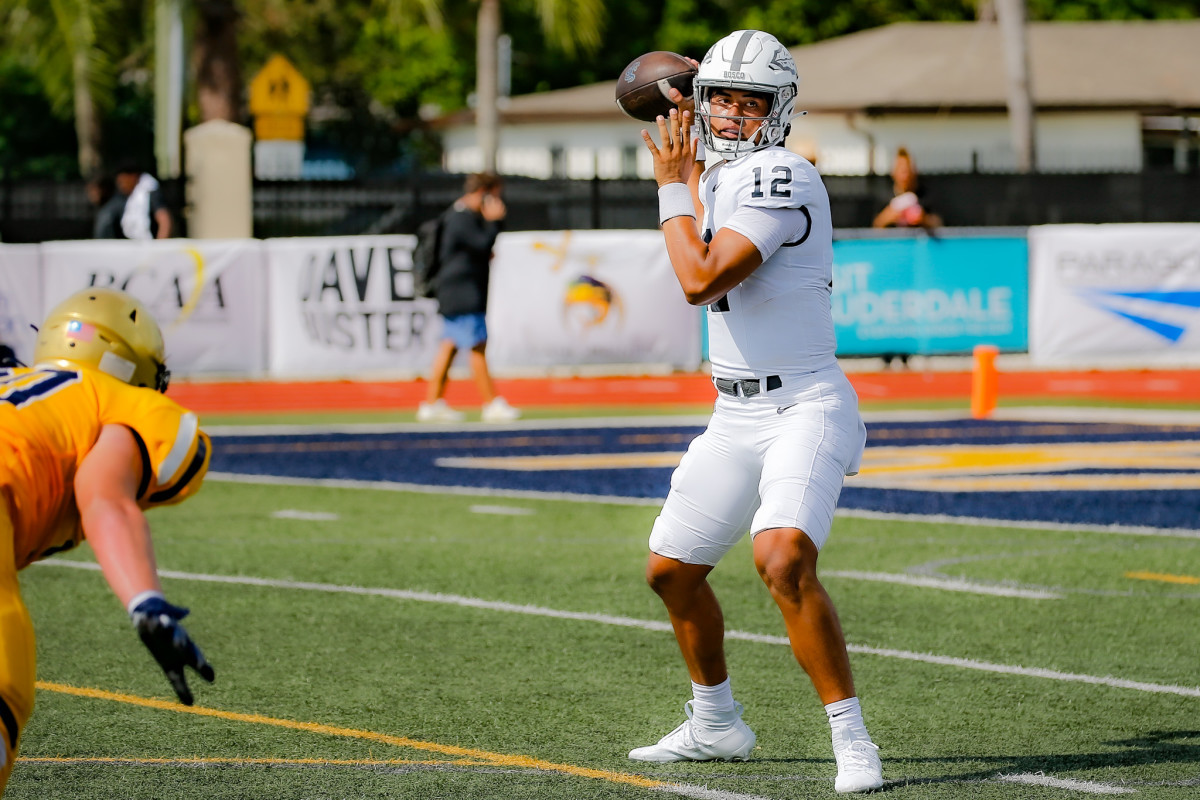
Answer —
427 256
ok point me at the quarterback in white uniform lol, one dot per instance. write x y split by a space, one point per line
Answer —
786 428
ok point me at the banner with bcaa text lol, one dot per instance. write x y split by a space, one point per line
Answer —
1115 294
344 306
20 298
208 295
588 297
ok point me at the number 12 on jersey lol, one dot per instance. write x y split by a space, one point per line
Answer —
779 186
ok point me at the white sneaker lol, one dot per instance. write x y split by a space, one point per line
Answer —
690 742
438 411
859 768
499 411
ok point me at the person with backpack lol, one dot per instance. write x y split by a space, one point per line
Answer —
460 284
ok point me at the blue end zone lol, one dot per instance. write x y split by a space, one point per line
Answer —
413 458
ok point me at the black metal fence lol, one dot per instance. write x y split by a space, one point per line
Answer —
34 211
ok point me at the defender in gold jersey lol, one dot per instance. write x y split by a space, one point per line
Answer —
87 443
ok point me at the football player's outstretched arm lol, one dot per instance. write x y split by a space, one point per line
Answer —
106 489
706 272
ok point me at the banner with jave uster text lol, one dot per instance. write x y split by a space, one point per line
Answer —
344 306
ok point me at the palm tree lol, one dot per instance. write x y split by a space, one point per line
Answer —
569 24
1021 112
73 53
215 58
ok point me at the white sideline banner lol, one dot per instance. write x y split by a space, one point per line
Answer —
343 306
208 295
566 298
20 298
1116 293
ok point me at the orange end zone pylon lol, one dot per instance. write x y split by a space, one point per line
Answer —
984 381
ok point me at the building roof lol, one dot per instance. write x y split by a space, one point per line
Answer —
1150 66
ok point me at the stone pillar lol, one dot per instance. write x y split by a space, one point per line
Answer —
219 184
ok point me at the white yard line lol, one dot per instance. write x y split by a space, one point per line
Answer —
652 625
309 516
946 519
476 491
1016 414
504 511
395 486
704 793
945 584
286 429
1090 787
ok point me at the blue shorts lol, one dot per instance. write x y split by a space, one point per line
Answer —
467 331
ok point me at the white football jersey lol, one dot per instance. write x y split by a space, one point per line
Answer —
778 321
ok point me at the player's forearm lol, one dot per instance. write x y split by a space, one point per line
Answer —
119 535
690 258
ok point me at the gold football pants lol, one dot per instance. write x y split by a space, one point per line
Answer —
17 655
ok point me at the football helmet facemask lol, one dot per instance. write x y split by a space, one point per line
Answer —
106 330
751 61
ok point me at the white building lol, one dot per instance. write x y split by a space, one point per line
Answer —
1106 95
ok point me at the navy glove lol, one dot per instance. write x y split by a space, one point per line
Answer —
157 623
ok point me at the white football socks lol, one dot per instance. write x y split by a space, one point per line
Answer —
713 705
845 718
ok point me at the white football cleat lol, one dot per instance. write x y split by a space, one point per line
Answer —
690 742
859 768
438 411
499 411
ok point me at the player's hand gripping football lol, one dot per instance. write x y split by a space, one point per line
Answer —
157 623
676 157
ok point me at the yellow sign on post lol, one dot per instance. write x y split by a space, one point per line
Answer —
279 97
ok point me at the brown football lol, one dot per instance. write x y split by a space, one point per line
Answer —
643 85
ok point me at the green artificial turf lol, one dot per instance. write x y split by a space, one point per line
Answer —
576 694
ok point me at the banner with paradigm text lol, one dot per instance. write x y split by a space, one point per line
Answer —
1115 293
208 295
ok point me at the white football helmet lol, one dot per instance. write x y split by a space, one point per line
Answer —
751 61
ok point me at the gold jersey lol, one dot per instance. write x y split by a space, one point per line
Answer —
50 418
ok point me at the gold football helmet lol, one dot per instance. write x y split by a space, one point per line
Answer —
107 330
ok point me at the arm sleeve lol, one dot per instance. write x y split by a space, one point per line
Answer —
770 228
175 450
464 233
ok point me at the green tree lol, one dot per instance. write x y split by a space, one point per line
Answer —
75 48
573 25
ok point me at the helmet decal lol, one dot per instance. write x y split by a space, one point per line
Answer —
108 331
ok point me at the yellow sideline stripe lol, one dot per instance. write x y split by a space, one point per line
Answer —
289 762
496 759
1162 576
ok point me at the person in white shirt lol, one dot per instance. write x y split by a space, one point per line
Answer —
786 428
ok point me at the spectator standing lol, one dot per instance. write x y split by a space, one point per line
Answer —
907 208
136 210
468 236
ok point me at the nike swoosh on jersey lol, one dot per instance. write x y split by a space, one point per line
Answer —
782 409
